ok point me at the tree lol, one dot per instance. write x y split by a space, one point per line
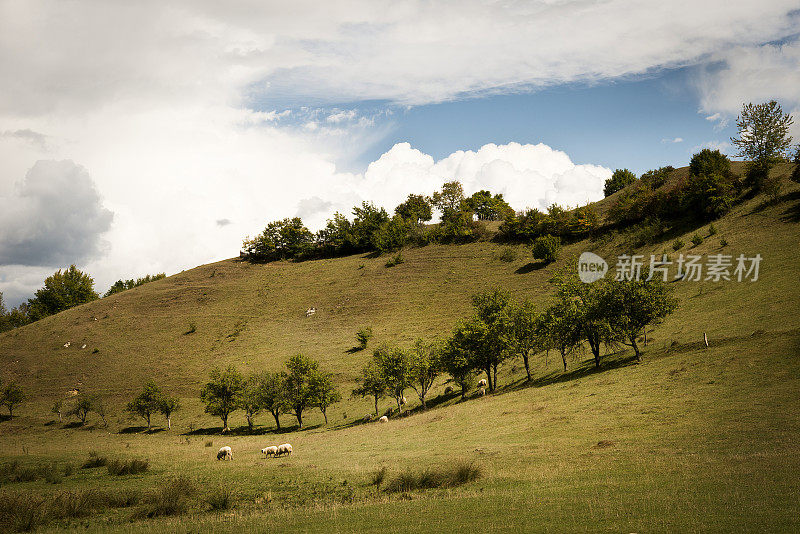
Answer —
371 384
57 408
708 162
796 171
632 305
416 209
62 290
168 406
449 199
284 239
363 336
101 408
324 392
490 335
222 393
299 393
425 367
559 328
527 338
124 285
546 248
455 360
488 207
147 402
708 196
273 395
250 399
11 396
394 366
391 235
618 181
763 138
335 238
83 405
368 219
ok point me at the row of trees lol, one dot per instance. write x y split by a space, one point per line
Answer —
373 229
62 290
302 386
606 313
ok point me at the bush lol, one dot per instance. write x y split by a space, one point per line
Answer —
508 255
712 230
708 162
129 467
677 244
443 477
723 242
377 478
656 178
546 248
95 461
53 475
395 260
708 196
221 498
619 180
363 336
172 498
696 239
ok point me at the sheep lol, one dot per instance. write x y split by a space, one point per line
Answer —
225 453
66 345
383 419
83 346
286 448
269 451
482 383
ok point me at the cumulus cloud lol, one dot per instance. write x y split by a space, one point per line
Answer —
673 140
55 217
223 222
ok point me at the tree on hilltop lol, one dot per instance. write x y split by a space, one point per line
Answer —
763 138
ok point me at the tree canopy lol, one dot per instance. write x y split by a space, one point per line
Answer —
62 290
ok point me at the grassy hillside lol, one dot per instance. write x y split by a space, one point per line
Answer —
692 439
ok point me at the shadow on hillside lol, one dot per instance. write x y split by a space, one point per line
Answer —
587 368
245 431
530 267
353 350
4 417
792 213
141 430
73 425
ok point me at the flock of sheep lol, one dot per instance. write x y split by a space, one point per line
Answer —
226 453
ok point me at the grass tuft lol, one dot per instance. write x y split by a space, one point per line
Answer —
220 499
127 467
94 460
171 499
442 477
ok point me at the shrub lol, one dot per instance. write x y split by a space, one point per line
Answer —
697 239
712 230
546 248
172 498
656 178
73 504
508 255
443 477
221 498
21 512
53 475
723 242
708 196
619 180
129 467
395 260
377 478
363 336
708 162
94 461
69 469
677 244
123 498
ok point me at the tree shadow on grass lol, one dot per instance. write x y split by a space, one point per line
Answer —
531 266
141 430
353 350
792 213
587 368
244 430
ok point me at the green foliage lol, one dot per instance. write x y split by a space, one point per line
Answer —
123 285
546 248
425 367
508 255
708 196
363 336
416 209
395 260
763 138
708 162
656 178
391 235
222 393
620 179
394 366
632 204
723 242
677 244
62 290
94 460
324 392
796 160
284 239
712 230
220 498
168 406
82 406
371 383
368 220
449 199
697 239
487 207
299 392
11 396
127 467
147 402
430 478
272 394
527 338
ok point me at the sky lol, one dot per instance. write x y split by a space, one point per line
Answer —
152 136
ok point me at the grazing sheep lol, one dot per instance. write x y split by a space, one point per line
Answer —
482 383
66 345
367 418
448 390
383 419
286 448
83 346
225 453
269 451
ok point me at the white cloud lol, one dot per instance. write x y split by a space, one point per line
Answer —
673 140
723 146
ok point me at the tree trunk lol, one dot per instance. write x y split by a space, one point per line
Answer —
494 378
249 421
225 423
527 365
376 406
148 422
325 415
463 390
636 348
276 415
169 423
564 359
488 371
422 400
299 415
594 344
60 420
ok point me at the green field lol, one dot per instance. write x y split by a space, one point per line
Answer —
692 439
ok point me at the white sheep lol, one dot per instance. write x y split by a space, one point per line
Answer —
225 453
269 451
482 383
66 345
286 448
383 419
